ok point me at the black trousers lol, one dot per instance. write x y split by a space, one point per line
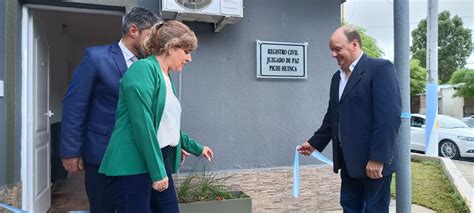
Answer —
96 188
364 194
165 201
134 193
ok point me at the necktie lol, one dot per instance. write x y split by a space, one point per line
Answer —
134 58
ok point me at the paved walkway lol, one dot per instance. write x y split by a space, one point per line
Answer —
69 195
414 209
467 170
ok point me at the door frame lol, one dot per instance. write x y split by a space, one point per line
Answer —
27 107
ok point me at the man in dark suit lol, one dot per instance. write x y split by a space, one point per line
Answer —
362 120
91 101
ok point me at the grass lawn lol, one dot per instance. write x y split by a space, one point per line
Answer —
431 188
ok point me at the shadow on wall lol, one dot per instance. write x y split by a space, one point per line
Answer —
57 170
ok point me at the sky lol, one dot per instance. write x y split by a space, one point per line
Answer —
376 16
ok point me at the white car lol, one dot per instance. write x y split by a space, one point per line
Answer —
469 120
456 138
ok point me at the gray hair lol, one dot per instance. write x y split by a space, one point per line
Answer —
140 17
352 34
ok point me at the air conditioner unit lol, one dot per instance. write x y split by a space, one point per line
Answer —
219 12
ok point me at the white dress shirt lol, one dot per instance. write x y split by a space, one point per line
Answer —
344 79
127 54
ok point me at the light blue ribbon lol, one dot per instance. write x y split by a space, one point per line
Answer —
431 112
406 115
296 168
11 208
296 174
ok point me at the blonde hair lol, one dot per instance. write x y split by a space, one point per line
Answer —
168 35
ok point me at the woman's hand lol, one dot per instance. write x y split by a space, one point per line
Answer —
161 185
184 154
207 153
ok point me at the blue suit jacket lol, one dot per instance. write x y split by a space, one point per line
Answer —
365 121
90 103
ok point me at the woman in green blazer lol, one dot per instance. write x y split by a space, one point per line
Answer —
146 144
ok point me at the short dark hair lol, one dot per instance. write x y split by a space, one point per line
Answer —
140 17
352 34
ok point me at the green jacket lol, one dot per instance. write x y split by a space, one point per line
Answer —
133 147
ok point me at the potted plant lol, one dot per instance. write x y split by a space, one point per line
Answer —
205 192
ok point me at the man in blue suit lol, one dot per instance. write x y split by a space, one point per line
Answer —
362 120
91 101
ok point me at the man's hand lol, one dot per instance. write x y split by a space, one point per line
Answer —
207 153
374 169
73 164
161 185
306 149
184 154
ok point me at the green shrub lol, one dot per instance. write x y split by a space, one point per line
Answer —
206 186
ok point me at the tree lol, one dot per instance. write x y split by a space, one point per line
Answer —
454 44
417 78
369 44
466 77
